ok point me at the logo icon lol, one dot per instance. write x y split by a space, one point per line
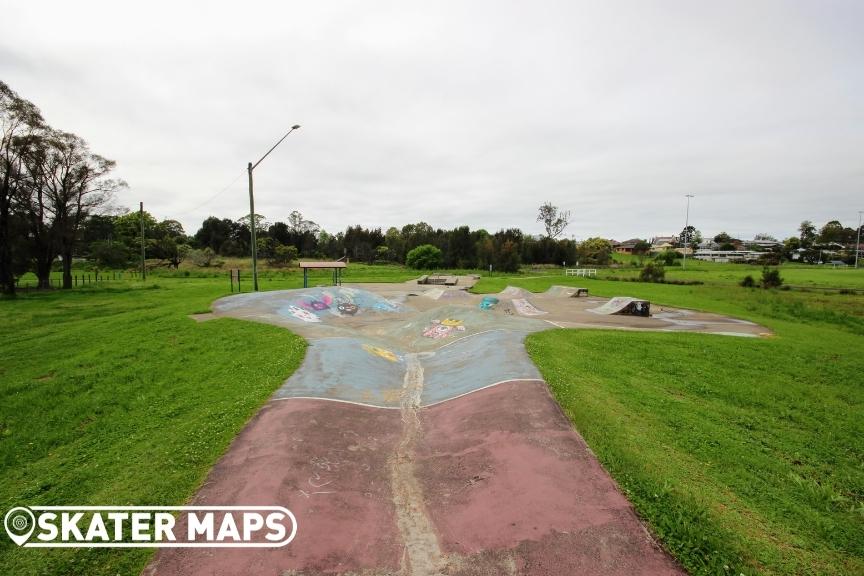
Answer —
150 526
19 523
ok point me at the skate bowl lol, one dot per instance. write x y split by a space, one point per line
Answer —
418 438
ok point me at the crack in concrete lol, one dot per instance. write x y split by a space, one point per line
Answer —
422 556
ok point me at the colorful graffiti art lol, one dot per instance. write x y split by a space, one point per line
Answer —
381 353
525 308
488 303
300 314
443 329
347 308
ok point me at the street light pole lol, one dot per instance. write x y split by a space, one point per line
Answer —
858 241
686 231
250 167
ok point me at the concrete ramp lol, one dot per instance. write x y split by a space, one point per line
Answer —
514 292
566 291
624 305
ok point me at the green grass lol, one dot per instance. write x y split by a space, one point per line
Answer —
739 453
744 456
113 396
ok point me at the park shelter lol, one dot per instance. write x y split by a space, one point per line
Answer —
337 268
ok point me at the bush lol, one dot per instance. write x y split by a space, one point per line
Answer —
653 273
771 278
748 282
508 257
425 257
202 258
668 257
283 255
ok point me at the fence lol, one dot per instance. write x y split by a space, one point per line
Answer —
55 280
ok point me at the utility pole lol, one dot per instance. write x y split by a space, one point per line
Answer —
254 235
250 167
858 241
686 231
143 269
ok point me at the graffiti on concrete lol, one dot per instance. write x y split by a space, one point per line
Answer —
299 313
443 329
488 303
381 353
525 308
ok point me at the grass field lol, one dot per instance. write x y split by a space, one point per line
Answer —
744 456
114 396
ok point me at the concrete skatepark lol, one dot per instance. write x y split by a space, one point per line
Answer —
418 438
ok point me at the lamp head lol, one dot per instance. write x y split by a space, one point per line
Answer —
295 127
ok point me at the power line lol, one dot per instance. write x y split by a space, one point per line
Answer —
208 200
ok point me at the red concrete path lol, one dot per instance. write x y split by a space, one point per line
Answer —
511 487
508 487
326 462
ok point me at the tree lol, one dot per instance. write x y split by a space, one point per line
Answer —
807 233
77 185
508 258
424 257
771 278
689 236
765 237
283 255
395 244
595 251
298 225
722 238
20 122
641 249
214 232
831 232
653 273
484 247
553 220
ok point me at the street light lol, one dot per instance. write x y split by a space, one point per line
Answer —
250 168
858 241
686 231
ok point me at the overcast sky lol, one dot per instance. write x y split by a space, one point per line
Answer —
463 112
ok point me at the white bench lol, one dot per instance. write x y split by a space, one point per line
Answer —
581 272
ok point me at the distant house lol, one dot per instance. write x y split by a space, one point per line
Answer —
627 246
728 255
663 243
761 244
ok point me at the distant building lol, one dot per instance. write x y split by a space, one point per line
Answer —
627 246
728 255
761 244
663 243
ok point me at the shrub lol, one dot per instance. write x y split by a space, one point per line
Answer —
424 257
668 257
748 282
202 258
283 255
653 273
771 278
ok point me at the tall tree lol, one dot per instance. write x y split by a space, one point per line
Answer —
79 186
553 220
299 225
20 122
808 233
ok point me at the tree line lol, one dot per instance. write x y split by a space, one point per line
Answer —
51 183
112 241
56 205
